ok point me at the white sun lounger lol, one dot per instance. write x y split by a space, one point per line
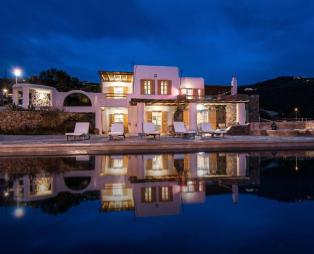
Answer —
180 130
149 129
206 128
116 130
81 130
222 132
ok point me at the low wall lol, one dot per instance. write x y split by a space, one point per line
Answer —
260 128
236 130
42 122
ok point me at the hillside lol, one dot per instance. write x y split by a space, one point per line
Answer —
283 94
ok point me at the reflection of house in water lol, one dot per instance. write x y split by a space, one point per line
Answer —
151 185
115 191
193 191
157 198
116 197
30 188
40 184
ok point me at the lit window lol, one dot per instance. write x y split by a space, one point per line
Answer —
117 190
187 91
148 195
190 186
147 87
117 163
118 90
118 118
164 87
165 193
157 163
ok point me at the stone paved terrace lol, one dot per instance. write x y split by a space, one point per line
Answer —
58 145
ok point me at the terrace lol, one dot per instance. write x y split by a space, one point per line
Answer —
57 144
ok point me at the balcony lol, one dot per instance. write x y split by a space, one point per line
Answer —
115 95
183 97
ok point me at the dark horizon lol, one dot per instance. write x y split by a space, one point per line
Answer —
212 40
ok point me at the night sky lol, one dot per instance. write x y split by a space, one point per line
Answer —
257 40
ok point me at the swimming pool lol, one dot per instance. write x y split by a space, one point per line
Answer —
152 203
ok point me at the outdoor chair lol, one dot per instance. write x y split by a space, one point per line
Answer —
222 132
180 130
81 130
116 130
206 128
149 129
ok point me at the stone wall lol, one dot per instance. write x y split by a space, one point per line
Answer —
253 109
236 130
42 122
231 114
259 128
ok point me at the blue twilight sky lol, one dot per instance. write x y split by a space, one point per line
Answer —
257 40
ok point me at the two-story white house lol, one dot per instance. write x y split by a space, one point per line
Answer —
155 94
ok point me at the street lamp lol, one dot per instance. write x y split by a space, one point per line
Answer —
5 91
296 113
17 73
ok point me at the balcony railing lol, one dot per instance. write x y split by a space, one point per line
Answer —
190 97
116 95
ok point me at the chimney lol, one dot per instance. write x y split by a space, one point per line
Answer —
234 86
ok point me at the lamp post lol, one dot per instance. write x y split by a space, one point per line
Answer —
17 73
5 92
296 113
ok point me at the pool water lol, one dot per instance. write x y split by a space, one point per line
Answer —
158 203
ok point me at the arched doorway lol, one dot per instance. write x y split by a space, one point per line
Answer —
77 100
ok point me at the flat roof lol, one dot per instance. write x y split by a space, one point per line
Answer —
116 76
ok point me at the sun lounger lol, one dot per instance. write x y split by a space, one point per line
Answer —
206 128
116 130
180 130
149 129
222 132
81 130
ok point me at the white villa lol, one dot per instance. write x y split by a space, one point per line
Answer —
148 94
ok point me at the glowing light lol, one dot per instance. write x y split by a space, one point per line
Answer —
43 187
296 109
19 212
6 194
17 72
41 96
200 107
5 91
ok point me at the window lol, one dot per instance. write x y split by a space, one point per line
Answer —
188 92
157 163
148 194
118 118
157 118
164 87
118 90
190 186
147 87
117 189
165 193
20 97
117 163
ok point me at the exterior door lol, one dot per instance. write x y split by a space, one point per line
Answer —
157 118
